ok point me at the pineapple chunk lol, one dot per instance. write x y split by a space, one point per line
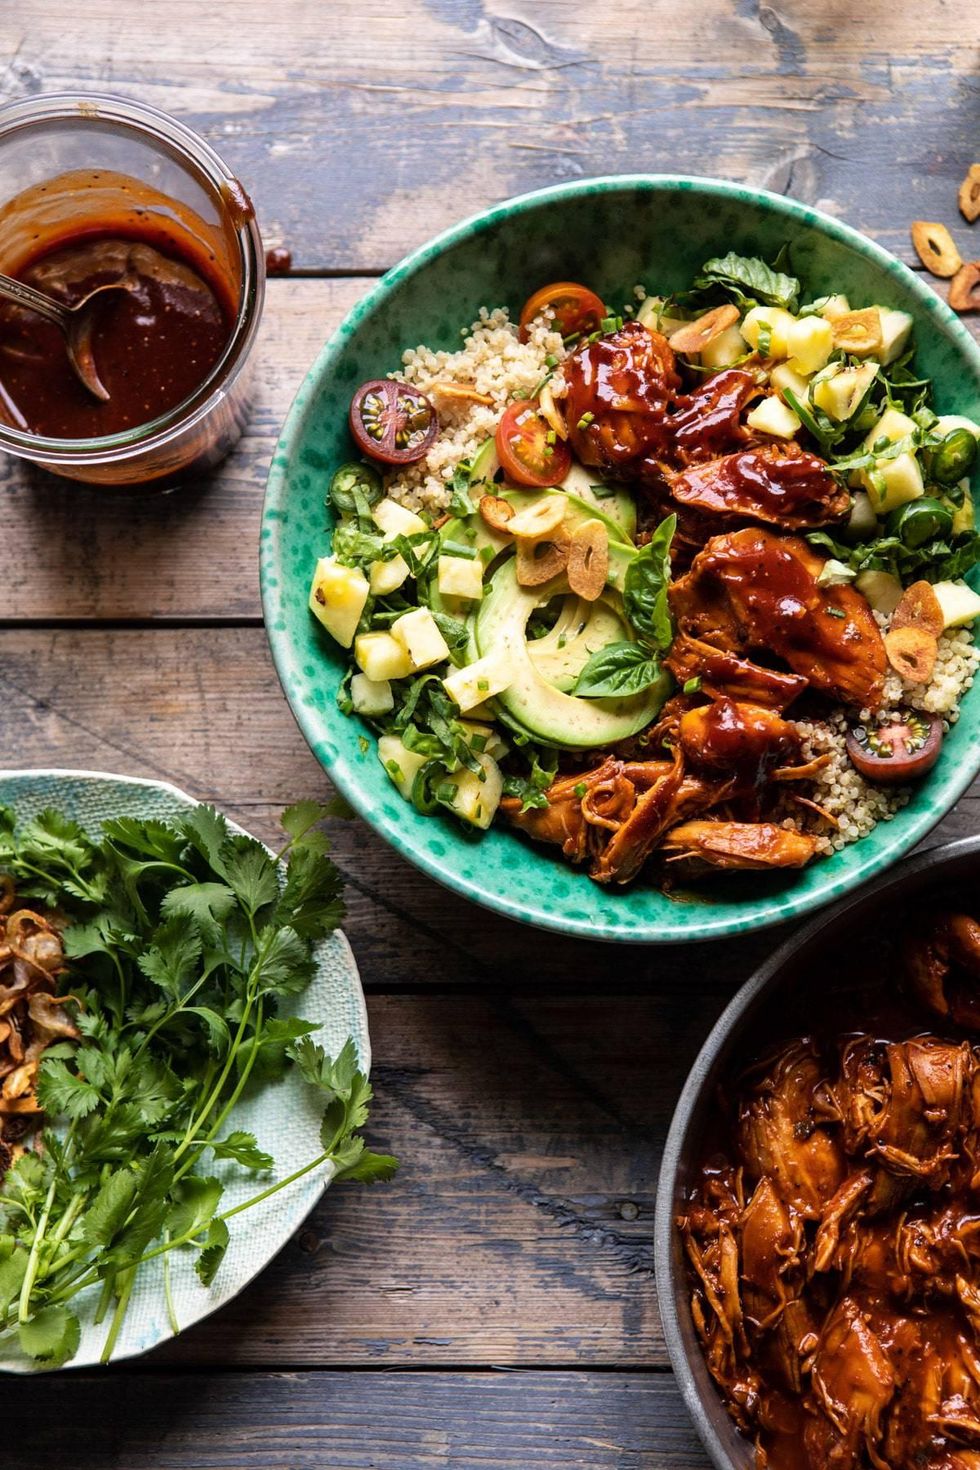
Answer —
881 590
461 577
893 482
779 323
959 603
477 798
402 764
418 633
649 312
489 675
338 596
893 425
394 520
773 416
371 696
727 348
783 377
380 657
834 307
493 744
896 328
388 576
841 392
809 344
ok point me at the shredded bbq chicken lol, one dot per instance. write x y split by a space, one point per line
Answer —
779 484
834 1250
752 590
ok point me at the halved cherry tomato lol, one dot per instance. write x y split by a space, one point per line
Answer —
529 450
392 421
902 750
575 308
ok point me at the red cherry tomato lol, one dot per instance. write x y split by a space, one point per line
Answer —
575 308
392 421
900 751
529 449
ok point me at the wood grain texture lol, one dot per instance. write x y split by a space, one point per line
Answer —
363 129
336 1421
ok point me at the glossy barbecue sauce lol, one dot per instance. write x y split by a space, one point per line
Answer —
153 346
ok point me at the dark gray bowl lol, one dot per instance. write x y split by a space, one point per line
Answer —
939 868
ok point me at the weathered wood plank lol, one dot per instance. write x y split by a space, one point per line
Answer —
68 552
337 1421
203 708
361 135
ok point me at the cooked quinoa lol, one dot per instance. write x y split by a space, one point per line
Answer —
493 362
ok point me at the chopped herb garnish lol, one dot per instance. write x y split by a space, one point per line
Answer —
691 686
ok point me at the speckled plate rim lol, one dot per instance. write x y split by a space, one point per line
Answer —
746 917
933 860
319 1182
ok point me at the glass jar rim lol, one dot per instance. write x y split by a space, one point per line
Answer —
141 118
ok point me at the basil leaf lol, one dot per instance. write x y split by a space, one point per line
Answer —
645 587
748 278
618 669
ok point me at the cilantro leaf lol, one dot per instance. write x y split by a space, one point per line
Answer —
249 870
194 1201
311 902
12 1273
51 1336
171 960
213 1252
207 904
244 1149
299 818
64 1094
207 832
110 1209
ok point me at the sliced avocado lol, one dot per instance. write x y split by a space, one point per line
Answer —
612 502
545 712
582 628
485 464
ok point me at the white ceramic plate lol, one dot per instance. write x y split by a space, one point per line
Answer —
285 1117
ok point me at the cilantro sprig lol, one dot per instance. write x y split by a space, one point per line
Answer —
183 939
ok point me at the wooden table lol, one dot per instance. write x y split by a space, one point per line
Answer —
494 1306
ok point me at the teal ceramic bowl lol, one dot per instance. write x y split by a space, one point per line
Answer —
610 233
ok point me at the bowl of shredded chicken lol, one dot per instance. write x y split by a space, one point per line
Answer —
819 1230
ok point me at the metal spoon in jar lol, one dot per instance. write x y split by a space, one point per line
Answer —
75 322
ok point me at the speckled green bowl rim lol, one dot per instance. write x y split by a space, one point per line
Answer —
716 923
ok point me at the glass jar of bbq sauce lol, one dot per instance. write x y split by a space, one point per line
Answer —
96 189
